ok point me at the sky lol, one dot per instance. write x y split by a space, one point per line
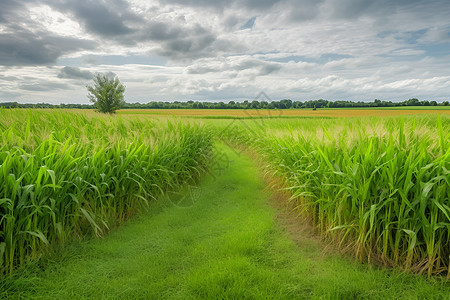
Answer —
201 50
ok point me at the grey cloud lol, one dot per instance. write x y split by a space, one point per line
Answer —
9 96
179 40
269 68
259 4
74 73
20 46
90 60
261 67
24 47
300 11
201 3
304 10
115 20
42 87
189 47
202 69
103 18
221 4
159 31
351 9
436 35
347 9
7 6
231 21
8 78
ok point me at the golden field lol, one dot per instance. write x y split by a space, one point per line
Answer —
280 113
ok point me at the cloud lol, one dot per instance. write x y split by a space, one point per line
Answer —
27 48
39 87
346 9
100 17
222 4
193 49
189 47
74 73
9 7
24 41
159 30
234 65
436 35
8 78
299 11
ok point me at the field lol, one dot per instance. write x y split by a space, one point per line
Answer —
283 113
63 175
378 184
374 184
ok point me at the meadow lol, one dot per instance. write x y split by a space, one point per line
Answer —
373 183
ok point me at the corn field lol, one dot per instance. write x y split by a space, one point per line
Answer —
380 185
65 175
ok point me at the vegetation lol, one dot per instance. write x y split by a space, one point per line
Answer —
255 104
64 175
381 185
377 187
106 93
218 240
237 114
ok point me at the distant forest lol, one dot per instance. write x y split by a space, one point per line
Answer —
281 104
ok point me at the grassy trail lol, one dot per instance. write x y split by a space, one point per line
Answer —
219 240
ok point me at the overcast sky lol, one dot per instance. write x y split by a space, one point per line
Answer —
226 50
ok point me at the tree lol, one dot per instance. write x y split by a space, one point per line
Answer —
413 102
106 93
254 104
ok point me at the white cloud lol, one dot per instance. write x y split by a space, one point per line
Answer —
352 49
436 35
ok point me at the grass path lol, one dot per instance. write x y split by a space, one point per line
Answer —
219 240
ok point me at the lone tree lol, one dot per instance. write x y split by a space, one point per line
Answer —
106 93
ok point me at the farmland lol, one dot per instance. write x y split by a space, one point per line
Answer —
243 113
63 175
374 184
378 184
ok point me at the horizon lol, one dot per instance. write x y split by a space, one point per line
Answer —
235 101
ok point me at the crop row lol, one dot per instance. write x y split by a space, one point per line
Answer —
65 175
381 185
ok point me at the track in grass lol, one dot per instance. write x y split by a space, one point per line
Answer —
217 240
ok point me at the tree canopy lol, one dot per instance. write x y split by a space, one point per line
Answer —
106 93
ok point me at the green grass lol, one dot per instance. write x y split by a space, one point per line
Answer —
215 241
253 118
397 108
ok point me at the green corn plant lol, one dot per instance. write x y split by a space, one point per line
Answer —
379 184
64 175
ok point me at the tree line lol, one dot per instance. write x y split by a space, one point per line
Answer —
255 104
